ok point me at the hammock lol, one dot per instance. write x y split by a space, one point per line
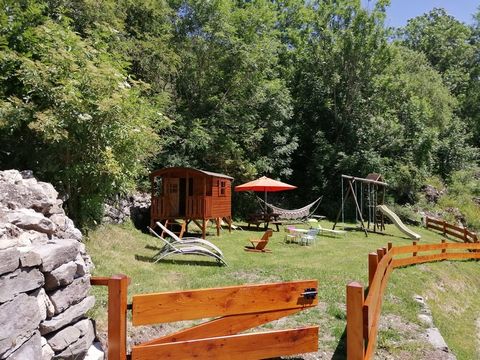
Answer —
302 213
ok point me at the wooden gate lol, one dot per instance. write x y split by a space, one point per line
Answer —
235 309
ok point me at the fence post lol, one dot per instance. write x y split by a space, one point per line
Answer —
443 250
465 235
355 340
390 246
444 228
380 254
117 317
372 266
414 244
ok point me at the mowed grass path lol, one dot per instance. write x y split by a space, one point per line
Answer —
449 287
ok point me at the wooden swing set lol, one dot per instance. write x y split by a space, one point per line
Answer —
367 193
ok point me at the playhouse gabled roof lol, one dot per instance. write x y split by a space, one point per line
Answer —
216 174
208 173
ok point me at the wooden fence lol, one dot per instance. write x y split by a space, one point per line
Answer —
453 230
363 313
234 309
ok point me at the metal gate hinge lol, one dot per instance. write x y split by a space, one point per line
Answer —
310 293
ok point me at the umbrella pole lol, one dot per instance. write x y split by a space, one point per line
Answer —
266 206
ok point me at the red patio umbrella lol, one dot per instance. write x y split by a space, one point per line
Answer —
264 184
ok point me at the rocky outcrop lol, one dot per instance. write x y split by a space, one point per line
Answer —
431 193
44 275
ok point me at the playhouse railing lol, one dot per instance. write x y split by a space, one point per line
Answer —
363 313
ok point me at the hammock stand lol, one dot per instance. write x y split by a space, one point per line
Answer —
295 214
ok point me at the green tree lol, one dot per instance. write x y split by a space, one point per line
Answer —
337 53
232 107
446 42
69 111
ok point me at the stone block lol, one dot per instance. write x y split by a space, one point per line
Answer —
85 326
27 193
56 253
19 281
82 268
9 260
32 237
70 315
28 258
47 352
10 176
63 338
71 294
61 276
95 352
29 219
30 349
6 243
45 306
19 318
78 349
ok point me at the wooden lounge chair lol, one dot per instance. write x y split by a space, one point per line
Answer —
259 245
172 248
188 240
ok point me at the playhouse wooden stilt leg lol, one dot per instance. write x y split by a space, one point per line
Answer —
229 220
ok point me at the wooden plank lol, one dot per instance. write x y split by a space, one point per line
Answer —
374 297
435 221
355 339
435 257
454 227
380 273
233 300
99 280
227 325
432 247
374 317
435 227
372 266
454 234
117 317
236 347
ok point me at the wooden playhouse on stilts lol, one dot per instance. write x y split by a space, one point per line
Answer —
182 195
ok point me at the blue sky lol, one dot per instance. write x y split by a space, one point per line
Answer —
400 11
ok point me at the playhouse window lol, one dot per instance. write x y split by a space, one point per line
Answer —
172 188
222 188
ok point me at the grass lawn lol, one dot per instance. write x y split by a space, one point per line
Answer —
449 287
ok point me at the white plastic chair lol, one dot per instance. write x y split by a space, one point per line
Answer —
309 237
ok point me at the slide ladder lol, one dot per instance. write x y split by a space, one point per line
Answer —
398 223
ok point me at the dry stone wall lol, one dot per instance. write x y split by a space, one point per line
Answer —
134 207
44 276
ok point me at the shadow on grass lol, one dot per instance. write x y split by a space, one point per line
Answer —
153 247
341 349
177 261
